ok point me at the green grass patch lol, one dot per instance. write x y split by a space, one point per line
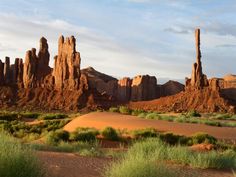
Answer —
17 160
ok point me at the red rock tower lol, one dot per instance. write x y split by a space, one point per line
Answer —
198 79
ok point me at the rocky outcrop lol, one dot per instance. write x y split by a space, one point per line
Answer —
67 64
7 71
29 72
124 89
198 79
143 88
1 73
43 68
169 88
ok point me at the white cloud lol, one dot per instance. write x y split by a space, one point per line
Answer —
103 53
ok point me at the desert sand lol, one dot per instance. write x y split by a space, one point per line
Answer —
101 120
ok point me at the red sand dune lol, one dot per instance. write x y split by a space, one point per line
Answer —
101 120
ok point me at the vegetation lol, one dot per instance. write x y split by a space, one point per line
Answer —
84 134
113 109
16 160
53 116
20 129
110 133
124 110
145 133
190 117
54 137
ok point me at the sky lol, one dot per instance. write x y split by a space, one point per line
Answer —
127 37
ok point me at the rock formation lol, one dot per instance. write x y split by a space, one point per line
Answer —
29 72
67 64
198 79
124 89
143 88
43 68
7 71
1 73
169 88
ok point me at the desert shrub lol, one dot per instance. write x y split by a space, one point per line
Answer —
124 110
136 112
203 138
53 116
142 115
145 133
16 160
113 109
222 116
110 133
140 167
9 116
170 138
53 138
140 161
193 113
30 115
152 115
157 150
84 134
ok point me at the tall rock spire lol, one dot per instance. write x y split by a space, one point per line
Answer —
198 79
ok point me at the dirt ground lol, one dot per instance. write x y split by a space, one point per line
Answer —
72 165
101 120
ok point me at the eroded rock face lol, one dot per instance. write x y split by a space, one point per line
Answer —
67 64
124 89
143 88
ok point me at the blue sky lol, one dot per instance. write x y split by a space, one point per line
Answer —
127 37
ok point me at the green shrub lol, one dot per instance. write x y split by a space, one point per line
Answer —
199 138
9 116
113 109
30 115
84 134
155 149
170 138
152 115
53 116
53 138
136 112
193 113
145 133
16 160
142 115
110 133
124 110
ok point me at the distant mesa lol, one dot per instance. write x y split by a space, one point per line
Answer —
33 84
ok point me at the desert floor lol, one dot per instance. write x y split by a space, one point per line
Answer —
101 120
73 165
